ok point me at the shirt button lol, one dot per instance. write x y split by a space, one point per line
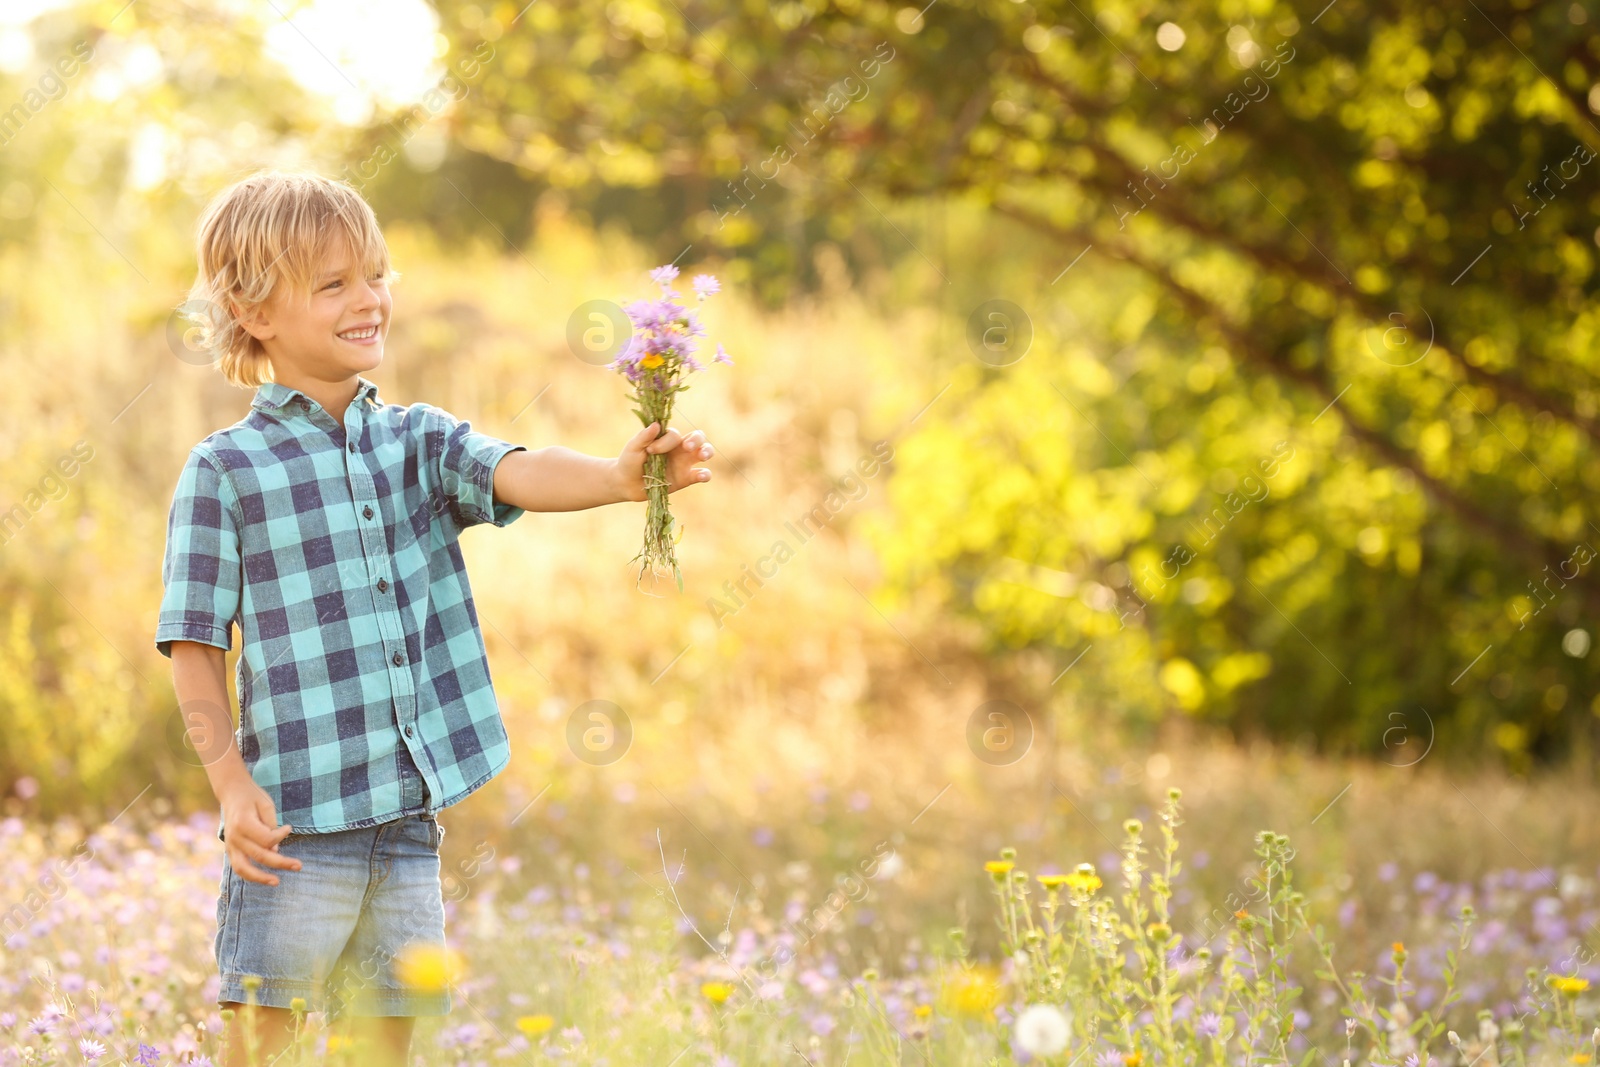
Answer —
398 659
366 513
383 585
352 446
408 731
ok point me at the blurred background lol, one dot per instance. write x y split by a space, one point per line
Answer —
1234 365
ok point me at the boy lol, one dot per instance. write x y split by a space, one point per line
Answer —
326 524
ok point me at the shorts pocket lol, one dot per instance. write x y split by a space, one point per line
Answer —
438 833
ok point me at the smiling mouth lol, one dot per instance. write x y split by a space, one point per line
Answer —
365 333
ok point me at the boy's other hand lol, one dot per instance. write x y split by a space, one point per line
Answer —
251 833
681 452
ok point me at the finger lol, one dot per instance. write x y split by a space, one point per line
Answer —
256 835
707 450
666 442
642 438
268 858
264 811
694 441
249 871
245 856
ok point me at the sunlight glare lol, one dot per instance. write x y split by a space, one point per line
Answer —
360 54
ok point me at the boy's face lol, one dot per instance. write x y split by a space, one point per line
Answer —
339 333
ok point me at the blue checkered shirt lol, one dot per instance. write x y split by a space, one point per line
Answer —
364 690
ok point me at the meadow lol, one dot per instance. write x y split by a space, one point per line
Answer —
820 912
799 855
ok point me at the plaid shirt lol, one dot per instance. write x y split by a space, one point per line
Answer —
334 546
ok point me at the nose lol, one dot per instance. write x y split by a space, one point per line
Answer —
367 295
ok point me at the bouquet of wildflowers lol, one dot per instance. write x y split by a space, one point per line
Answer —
658 357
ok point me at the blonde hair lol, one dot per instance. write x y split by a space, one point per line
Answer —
265 231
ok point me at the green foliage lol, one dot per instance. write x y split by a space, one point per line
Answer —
1382 208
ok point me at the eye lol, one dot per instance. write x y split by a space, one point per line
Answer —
333 283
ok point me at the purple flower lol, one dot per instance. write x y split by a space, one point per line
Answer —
1209 1025
91 1049
149 1055
722 356
662 275
704 285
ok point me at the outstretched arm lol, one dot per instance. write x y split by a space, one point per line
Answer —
560 479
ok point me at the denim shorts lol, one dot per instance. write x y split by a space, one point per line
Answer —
331 932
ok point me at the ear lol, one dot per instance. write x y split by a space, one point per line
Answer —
255 321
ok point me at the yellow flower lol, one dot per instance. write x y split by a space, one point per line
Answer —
1054 881
1133 1059
1568 985
652 361
1399 946
534 1025
999 866
337 1041
922 1011
1580 1057
429 966
716 992
974 992
1083 879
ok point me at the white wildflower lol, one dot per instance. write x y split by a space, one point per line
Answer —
1043 1030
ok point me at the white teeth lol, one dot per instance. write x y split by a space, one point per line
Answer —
358 335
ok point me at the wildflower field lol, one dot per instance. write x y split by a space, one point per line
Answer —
1131 920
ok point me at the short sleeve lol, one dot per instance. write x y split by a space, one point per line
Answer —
201 573
464 466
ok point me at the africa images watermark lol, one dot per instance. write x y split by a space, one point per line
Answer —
1255 490
453 86
739 592
52 486
839 94
1216 121
1579 156
1544 594
52 86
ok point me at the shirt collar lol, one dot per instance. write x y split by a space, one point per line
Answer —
273 396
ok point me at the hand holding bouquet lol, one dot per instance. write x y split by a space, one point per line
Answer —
658 356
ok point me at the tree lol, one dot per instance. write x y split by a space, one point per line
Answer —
1362 232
